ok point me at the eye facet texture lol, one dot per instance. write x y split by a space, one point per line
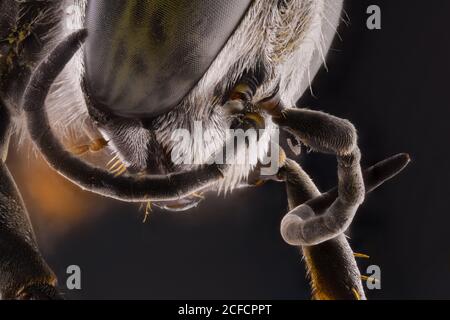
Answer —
143 57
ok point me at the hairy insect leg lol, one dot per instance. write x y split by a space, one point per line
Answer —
318 130
328 134
331 265
23 272
302 226
374 177
329 214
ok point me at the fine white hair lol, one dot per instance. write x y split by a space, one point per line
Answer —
290 38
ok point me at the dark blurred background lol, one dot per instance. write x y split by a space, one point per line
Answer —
393 85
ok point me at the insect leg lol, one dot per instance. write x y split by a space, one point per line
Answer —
327 134
23 272
331 265
302 226
125 188
323 206
318 130
374 177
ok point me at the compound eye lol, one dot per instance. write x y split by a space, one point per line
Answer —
143 57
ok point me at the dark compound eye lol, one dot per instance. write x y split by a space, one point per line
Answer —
143 57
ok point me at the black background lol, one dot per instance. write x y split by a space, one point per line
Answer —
393 85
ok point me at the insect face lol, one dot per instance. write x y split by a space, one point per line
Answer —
144 63
135 72
149 68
